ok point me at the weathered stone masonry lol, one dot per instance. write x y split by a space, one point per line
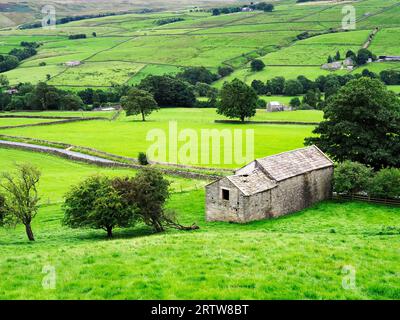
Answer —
271 187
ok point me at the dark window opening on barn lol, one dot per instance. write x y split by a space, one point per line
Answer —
225 194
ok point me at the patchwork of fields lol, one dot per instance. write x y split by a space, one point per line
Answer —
129 47
300 256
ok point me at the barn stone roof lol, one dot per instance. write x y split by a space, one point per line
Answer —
293 163
269 171
255 182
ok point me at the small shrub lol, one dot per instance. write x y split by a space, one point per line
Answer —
295 103
389 230
257 65
261 104
225 71
385 184
351 177
142 158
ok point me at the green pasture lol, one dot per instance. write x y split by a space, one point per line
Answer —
20 121
33 74
98 74
386 42
303 54
59 174
153 69
389 18
60 52
377 67
306 255
394 88
188 50
128 136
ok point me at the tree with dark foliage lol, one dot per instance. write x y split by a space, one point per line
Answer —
238 100
197 74
148 191
168 91
139 102
96 204
362 124
225 71
257 65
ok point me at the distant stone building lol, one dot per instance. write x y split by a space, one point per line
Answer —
12 91
275 106
389 58
337 65
348 62
73 63
271 187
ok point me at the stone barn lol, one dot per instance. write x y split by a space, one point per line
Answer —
271 187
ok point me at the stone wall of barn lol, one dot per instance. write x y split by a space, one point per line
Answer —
291 195
218 209
302 191
257 207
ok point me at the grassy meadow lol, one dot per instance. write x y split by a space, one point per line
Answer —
58 174
20 121
128 135
302 256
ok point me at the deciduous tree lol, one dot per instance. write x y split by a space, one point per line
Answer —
96 204
238 100
362 123
21 196
139 102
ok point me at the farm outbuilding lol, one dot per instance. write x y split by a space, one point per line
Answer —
73 63
271 187
276 106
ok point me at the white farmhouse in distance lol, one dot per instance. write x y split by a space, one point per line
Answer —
276 106
73 63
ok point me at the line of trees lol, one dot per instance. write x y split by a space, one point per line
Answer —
262 6
16 55
77 36
64 20
162 22
313 92
39 97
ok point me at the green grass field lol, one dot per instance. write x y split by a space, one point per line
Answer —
58 174
127 136
301 256
395 88
20 121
